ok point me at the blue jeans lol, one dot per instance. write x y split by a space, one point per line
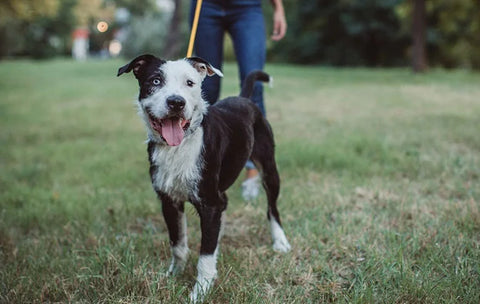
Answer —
243 20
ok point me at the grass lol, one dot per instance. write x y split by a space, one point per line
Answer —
380 191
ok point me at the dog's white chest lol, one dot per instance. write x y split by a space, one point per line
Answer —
179 168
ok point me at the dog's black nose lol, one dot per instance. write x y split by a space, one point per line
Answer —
176 103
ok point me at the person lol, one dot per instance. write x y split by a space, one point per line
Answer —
244 21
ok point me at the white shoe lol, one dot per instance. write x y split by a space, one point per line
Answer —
251 188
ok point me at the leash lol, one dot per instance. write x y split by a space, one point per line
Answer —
193 33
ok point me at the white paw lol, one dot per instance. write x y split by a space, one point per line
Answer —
280 242
201 289
282 245
179 259
207 273
176 267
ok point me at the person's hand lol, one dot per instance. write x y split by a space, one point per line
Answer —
279 24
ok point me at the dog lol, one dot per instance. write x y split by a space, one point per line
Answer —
196 152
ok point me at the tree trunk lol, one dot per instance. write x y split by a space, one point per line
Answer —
419 27
174 41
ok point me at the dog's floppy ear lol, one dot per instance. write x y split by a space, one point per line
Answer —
137 64
203 67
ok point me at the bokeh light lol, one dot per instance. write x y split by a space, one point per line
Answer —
115 48
102 26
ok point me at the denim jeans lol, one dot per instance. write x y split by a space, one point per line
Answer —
243 20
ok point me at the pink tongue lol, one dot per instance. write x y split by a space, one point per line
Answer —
172 131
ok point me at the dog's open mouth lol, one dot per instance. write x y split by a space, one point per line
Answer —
172 129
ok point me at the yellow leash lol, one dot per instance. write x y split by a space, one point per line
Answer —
194 28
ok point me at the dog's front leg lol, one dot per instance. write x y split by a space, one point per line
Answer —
173 213
211 224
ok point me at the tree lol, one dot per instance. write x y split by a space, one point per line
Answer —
35 28
86 11
452 32
419 57
136 7
454 28
344 32
16 19
27 10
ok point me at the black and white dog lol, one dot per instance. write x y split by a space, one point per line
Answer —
196 152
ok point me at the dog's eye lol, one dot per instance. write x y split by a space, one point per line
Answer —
190 83
156 81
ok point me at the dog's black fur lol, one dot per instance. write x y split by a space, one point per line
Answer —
234 131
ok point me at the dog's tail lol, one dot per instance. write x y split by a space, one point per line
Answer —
249 83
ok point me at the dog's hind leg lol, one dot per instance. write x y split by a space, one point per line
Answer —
271 184
173 213
263 155
211 221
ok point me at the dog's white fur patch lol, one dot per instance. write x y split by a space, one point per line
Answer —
280 242
180 251
207 273
179 168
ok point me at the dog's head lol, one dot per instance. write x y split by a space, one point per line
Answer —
170 99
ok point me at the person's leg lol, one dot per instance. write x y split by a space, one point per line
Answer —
209 44
247 29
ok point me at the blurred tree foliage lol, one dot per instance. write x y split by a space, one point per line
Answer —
88 13
344 32
454 33
151 30
28 9
333 32
26 26
146 34
137 7
43 28
378 32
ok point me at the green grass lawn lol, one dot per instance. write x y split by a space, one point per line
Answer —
380 191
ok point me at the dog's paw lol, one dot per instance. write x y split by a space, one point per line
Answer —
280 242
176 267
179 260
282 245
201 289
